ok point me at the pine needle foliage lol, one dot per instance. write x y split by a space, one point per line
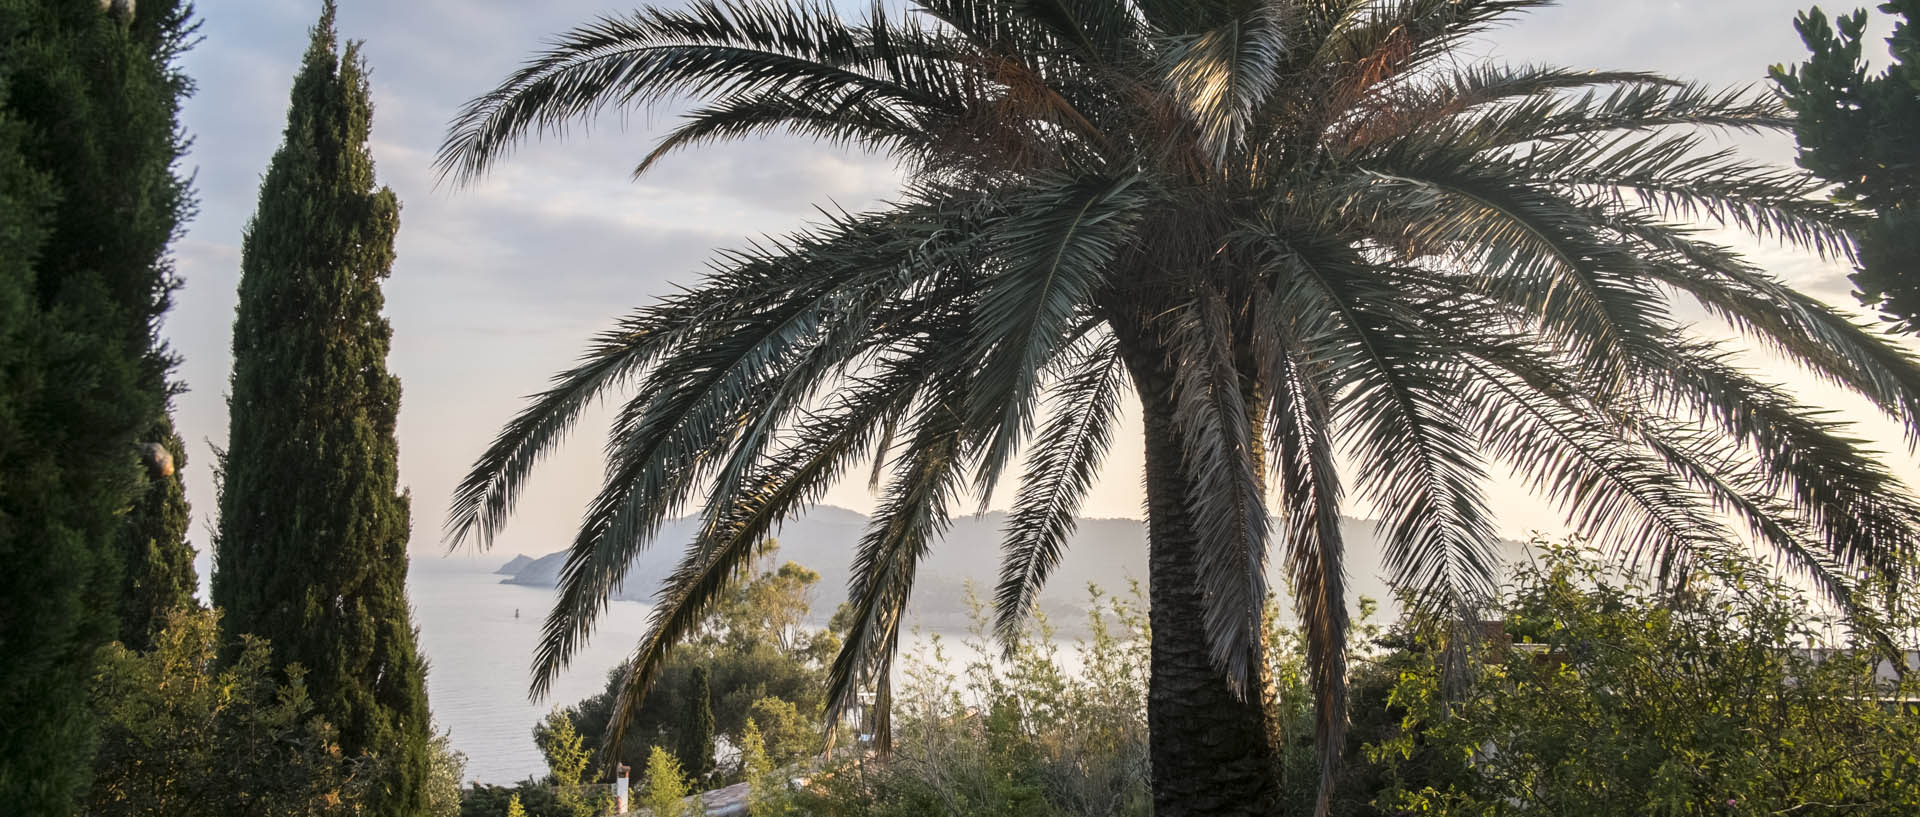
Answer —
89 203
696 737
312 548
157 576
663 789
1321 251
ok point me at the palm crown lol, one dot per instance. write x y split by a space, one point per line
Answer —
1290 227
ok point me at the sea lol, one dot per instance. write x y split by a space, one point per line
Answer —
478 636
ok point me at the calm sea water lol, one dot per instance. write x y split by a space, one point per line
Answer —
479 653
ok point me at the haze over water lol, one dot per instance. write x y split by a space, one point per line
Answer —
479 655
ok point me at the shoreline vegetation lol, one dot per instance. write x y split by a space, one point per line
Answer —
1588 688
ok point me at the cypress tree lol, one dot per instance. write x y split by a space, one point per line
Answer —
89 204
311 551
696 738
156 574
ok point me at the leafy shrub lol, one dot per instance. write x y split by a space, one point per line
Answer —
1014 735
663 791
1733 696
182 734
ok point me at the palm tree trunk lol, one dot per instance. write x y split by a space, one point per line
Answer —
1213 753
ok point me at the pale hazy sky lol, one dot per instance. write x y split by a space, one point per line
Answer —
499 285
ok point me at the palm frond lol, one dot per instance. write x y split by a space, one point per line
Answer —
1397 110
1534 415
1550 118
824 445
1706 464
1065 459
485 497
693 406
1224 75
1377 40
1054 250
1215 416
1790 323
912 514
709 49
1864 516
1673 176
1301 447
853 120
1523 246
1397 413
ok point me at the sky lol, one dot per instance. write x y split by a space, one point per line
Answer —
499 284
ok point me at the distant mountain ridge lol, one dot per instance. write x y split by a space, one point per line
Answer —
1109 553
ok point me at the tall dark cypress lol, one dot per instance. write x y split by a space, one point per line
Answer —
313 530
156 571
89 204
696 735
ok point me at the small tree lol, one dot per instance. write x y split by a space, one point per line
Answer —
566 752
768 795
696 739
567 762
787 735
446 767
514 809
664 790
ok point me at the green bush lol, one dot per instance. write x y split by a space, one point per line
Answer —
663 791
755 652
1018 735
1734 695
182 735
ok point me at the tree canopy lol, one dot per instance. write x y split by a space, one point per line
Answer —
89 204
1856 129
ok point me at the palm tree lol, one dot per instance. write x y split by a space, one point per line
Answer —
1289 228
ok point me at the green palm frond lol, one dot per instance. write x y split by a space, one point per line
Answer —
848 120
1055 249
1301 447
708 49
485 498
1225 75
911 517
825 443
1065 459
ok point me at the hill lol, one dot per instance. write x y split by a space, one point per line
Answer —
515 565
1109 553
